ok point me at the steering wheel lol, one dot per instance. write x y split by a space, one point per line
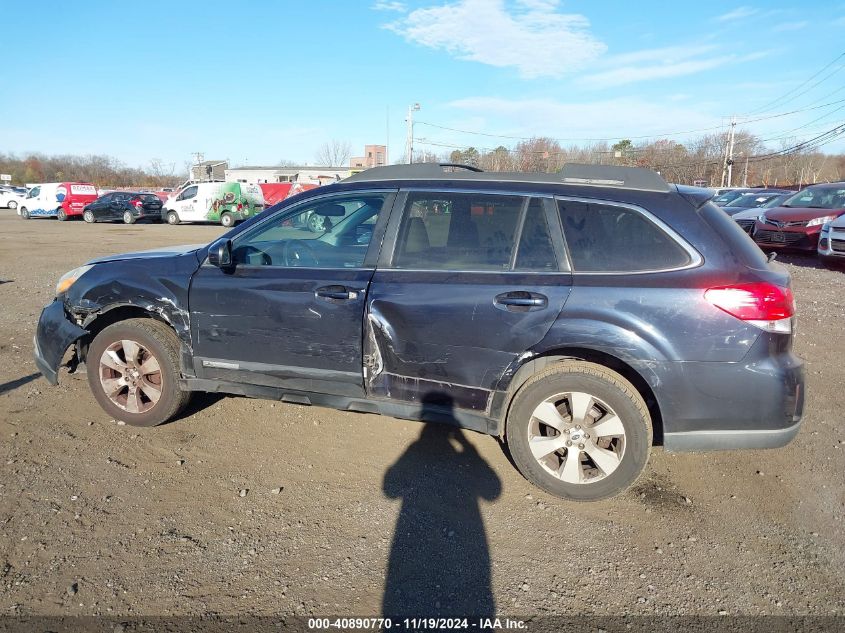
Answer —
299 253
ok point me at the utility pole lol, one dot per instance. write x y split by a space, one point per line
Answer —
731 151
409 142
727 166
745 173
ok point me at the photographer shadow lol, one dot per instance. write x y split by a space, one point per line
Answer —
439 562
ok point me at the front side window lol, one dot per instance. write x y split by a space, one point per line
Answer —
33 193
328 233
608 238
818 198
188 193
457 231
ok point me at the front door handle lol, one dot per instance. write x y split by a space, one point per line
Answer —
338 293
521 301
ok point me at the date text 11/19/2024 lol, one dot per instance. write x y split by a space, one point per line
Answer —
416 624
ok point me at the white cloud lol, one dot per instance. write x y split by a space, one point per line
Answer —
529 35
737 14
790 26
385 5
617 118
660 63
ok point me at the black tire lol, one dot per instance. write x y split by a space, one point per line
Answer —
227 220
128 217
603 384
172 217
88 216
61 216
161 341
13 205
24 213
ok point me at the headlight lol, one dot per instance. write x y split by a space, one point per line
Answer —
822 220
70 277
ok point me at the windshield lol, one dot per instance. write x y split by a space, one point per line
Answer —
753 200
818 198
725 198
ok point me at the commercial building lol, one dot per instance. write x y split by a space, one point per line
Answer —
374 156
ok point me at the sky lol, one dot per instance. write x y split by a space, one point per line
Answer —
261 82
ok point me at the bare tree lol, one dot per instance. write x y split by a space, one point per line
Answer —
333 153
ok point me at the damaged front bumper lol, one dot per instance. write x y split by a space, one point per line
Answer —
55 333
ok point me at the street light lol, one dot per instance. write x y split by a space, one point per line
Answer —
409 143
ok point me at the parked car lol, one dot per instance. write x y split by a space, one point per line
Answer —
831 248
11 197
758 200
126 206
797 222
60 200
223 202
726 196
553 311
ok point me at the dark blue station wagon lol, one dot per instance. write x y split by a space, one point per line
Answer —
581 317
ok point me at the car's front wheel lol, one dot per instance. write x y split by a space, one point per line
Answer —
579 431
133 371
88 216
227 220
24 213
172 217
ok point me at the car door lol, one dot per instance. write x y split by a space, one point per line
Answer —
469 283
117 206
101 207
289 311
185 204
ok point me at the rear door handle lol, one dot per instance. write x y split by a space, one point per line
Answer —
338 293
521 301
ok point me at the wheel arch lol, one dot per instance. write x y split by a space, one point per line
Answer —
535 364
96 322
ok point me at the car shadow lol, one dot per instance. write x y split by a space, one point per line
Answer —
18 382
439 561
200 400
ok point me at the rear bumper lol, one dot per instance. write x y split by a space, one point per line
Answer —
54 334
730 440
755 403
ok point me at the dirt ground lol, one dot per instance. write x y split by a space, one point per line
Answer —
255 507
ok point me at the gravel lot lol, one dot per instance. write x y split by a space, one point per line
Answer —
255 507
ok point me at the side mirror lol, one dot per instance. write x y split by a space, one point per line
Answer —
220 253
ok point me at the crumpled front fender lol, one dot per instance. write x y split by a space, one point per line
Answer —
55 333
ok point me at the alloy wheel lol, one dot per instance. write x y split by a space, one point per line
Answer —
576 437
130 376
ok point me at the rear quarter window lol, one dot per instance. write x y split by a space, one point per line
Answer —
732 234
609 238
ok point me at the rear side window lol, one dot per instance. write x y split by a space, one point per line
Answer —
737 240
608 238
458 231
536 253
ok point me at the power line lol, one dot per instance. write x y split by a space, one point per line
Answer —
772 103
645 136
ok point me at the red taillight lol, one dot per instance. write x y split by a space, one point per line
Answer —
138 204
761 303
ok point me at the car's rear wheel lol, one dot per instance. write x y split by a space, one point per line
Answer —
128 218
579 431
61 215
133 371
88 216
227 220
13 204
24 213
172 217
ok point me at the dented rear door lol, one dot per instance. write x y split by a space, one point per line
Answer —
468 282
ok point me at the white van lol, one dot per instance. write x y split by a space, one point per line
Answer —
224 202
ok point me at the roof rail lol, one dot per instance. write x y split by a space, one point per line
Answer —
613 176
414 170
